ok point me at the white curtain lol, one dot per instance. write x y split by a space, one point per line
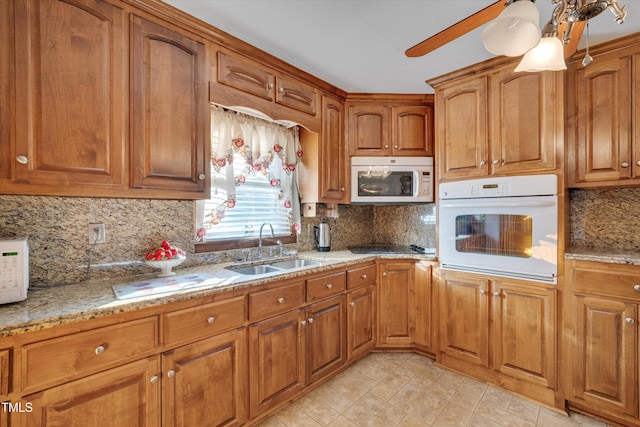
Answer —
264 148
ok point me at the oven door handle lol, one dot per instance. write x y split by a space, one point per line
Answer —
500 204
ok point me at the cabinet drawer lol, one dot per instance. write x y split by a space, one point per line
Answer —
361 276
614 282
71 356
245 75
326 286
204 320
275 301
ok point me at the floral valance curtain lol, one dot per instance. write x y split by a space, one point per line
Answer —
262 148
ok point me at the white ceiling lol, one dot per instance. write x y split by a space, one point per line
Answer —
359 45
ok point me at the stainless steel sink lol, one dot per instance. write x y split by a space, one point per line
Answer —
274 268
255 270
295 263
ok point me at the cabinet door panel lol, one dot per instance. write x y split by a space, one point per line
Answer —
209 382
462 134
333 176
296 94
326 346
606 368
603 125
523 121
169 107
464 319
361 321
123 396
413 131
368 130
276 360
70 93
396 311
525 332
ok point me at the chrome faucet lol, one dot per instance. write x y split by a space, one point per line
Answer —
260 237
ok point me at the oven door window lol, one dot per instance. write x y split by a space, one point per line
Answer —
495 234
384 183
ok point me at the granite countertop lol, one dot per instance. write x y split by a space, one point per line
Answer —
605 255
55 305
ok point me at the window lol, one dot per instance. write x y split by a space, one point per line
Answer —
253 181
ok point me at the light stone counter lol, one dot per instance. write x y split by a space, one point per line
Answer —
604 255
56 305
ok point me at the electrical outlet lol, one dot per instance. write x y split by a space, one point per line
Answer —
97 234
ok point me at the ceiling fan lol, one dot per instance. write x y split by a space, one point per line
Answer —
567 22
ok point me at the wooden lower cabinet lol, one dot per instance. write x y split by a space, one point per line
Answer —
405 305
276 360
325 338
204 383
361 321
128 395
603 339
503 331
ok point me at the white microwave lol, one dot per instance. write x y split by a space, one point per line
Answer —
391 180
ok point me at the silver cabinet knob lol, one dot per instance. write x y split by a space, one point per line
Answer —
23 160
386 146
310 320
280 300
483 292
329 286
482 163
342 188
270 85
352 303
154 379
384 274
171 373
281 90
638 163
395 146
625 164
201 177
630 320
100 349
303 322
364 276
636 287
496 161
496 294
211 319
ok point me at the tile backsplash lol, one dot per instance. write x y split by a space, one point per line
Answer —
59 243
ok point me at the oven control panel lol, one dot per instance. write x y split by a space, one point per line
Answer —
491 190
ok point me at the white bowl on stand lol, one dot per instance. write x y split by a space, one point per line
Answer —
166 266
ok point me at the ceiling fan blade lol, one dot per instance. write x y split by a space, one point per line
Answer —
457 30
576 34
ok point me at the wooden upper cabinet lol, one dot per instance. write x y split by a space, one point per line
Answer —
498 122
70 97
333 164
601 141
169 109
462 129
524 119
412 130
254 78
379 128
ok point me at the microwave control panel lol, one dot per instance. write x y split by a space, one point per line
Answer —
14 270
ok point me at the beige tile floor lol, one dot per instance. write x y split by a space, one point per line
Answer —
409 390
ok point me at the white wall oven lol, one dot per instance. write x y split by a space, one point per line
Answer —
382 180
505 226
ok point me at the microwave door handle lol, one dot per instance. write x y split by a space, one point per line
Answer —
500 204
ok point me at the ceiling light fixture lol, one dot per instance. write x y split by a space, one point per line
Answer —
515 31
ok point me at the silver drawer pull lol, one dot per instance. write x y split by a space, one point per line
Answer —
636 287
211 319
171 373
625 164
100 349
201 177
23 160
329 286
630 320
483 292
496 294
154 379
280 300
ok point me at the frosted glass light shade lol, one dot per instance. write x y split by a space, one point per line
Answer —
514 31
548 55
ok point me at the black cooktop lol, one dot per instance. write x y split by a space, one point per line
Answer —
390 249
